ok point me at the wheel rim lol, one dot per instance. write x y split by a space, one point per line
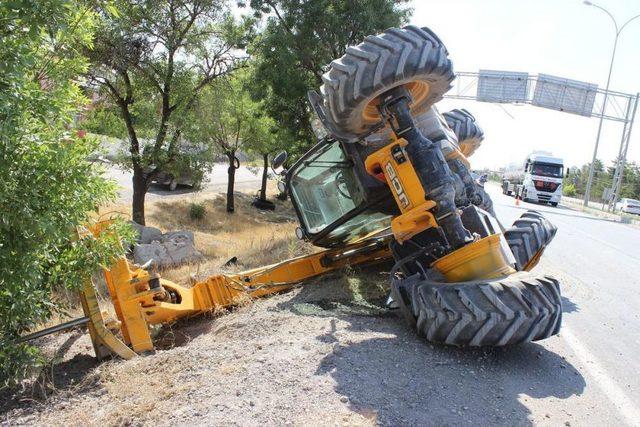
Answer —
419 91
534 260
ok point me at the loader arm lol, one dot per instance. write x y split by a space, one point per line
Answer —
141 298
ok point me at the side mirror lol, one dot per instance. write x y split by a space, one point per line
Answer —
568 171
278 161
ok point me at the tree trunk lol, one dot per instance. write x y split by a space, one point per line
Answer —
139 192
231 181
265 172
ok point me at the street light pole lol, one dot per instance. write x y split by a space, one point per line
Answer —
587 193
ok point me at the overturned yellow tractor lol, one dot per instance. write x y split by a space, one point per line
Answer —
389 179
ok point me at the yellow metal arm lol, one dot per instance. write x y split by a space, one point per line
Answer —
141 298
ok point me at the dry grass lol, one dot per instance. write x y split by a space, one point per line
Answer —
255 237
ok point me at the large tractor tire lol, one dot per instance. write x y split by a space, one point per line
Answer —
528 237
469 133
412 57
496 312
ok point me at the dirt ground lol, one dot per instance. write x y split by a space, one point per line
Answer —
327 353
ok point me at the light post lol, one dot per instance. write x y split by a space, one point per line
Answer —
587 193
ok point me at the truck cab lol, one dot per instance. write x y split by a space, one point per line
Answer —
542 181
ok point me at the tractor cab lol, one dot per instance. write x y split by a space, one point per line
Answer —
335 199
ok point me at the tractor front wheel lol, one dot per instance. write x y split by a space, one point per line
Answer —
495 312
528 237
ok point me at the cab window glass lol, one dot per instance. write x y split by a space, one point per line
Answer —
325 188
547 169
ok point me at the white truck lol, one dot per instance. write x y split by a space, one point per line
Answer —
538 180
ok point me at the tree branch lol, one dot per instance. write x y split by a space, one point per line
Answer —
134 145
306 60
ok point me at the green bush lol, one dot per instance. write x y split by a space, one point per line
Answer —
569 190
494 176
197 211
48 186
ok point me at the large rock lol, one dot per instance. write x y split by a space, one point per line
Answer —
147 234
171 249
178 236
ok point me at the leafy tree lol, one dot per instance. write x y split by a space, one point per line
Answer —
153 61
569 190
299 39
228 119
264 144
103 118
579 176
631 181
603 178
268 143
48 186
268 139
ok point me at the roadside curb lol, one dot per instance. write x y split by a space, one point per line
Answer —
576 204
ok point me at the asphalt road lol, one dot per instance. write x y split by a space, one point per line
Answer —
598 263
216 180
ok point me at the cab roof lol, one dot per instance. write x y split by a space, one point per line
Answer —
545 158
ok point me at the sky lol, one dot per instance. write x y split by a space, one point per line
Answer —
563 38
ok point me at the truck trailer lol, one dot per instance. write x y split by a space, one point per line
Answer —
538 180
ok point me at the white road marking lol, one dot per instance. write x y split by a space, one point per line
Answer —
616 395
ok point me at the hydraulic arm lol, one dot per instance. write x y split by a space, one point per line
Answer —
431 168
141 298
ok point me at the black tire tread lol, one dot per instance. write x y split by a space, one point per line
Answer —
379 63
466 128
507 311
530 233
487 202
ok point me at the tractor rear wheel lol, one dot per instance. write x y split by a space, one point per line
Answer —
495 312
412 57
528 237
466 128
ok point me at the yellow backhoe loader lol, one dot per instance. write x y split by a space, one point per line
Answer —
389 179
